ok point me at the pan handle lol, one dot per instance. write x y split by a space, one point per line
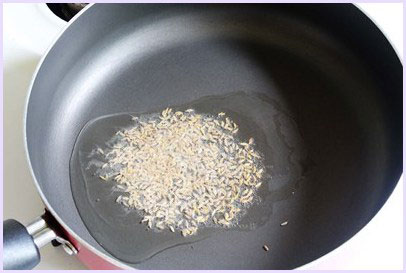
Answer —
21 243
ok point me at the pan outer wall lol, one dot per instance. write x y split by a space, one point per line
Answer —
317 61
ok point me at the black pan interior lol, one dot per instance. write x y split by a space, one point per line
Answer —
326 67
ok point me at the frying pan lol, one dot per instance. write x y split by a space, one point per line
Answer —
331 79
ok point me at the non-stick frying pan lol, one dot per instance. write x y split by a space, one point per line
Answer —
331 79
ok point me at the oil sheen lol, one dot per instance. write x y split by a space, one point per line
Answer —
119 230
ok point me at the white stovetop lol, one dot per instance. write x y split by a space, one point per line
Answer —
30 28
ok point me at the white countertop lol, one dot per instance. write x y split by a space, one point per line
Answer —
377 246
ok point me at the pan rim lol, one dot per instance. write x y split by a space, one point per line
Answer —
44 199
337 249
78 238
